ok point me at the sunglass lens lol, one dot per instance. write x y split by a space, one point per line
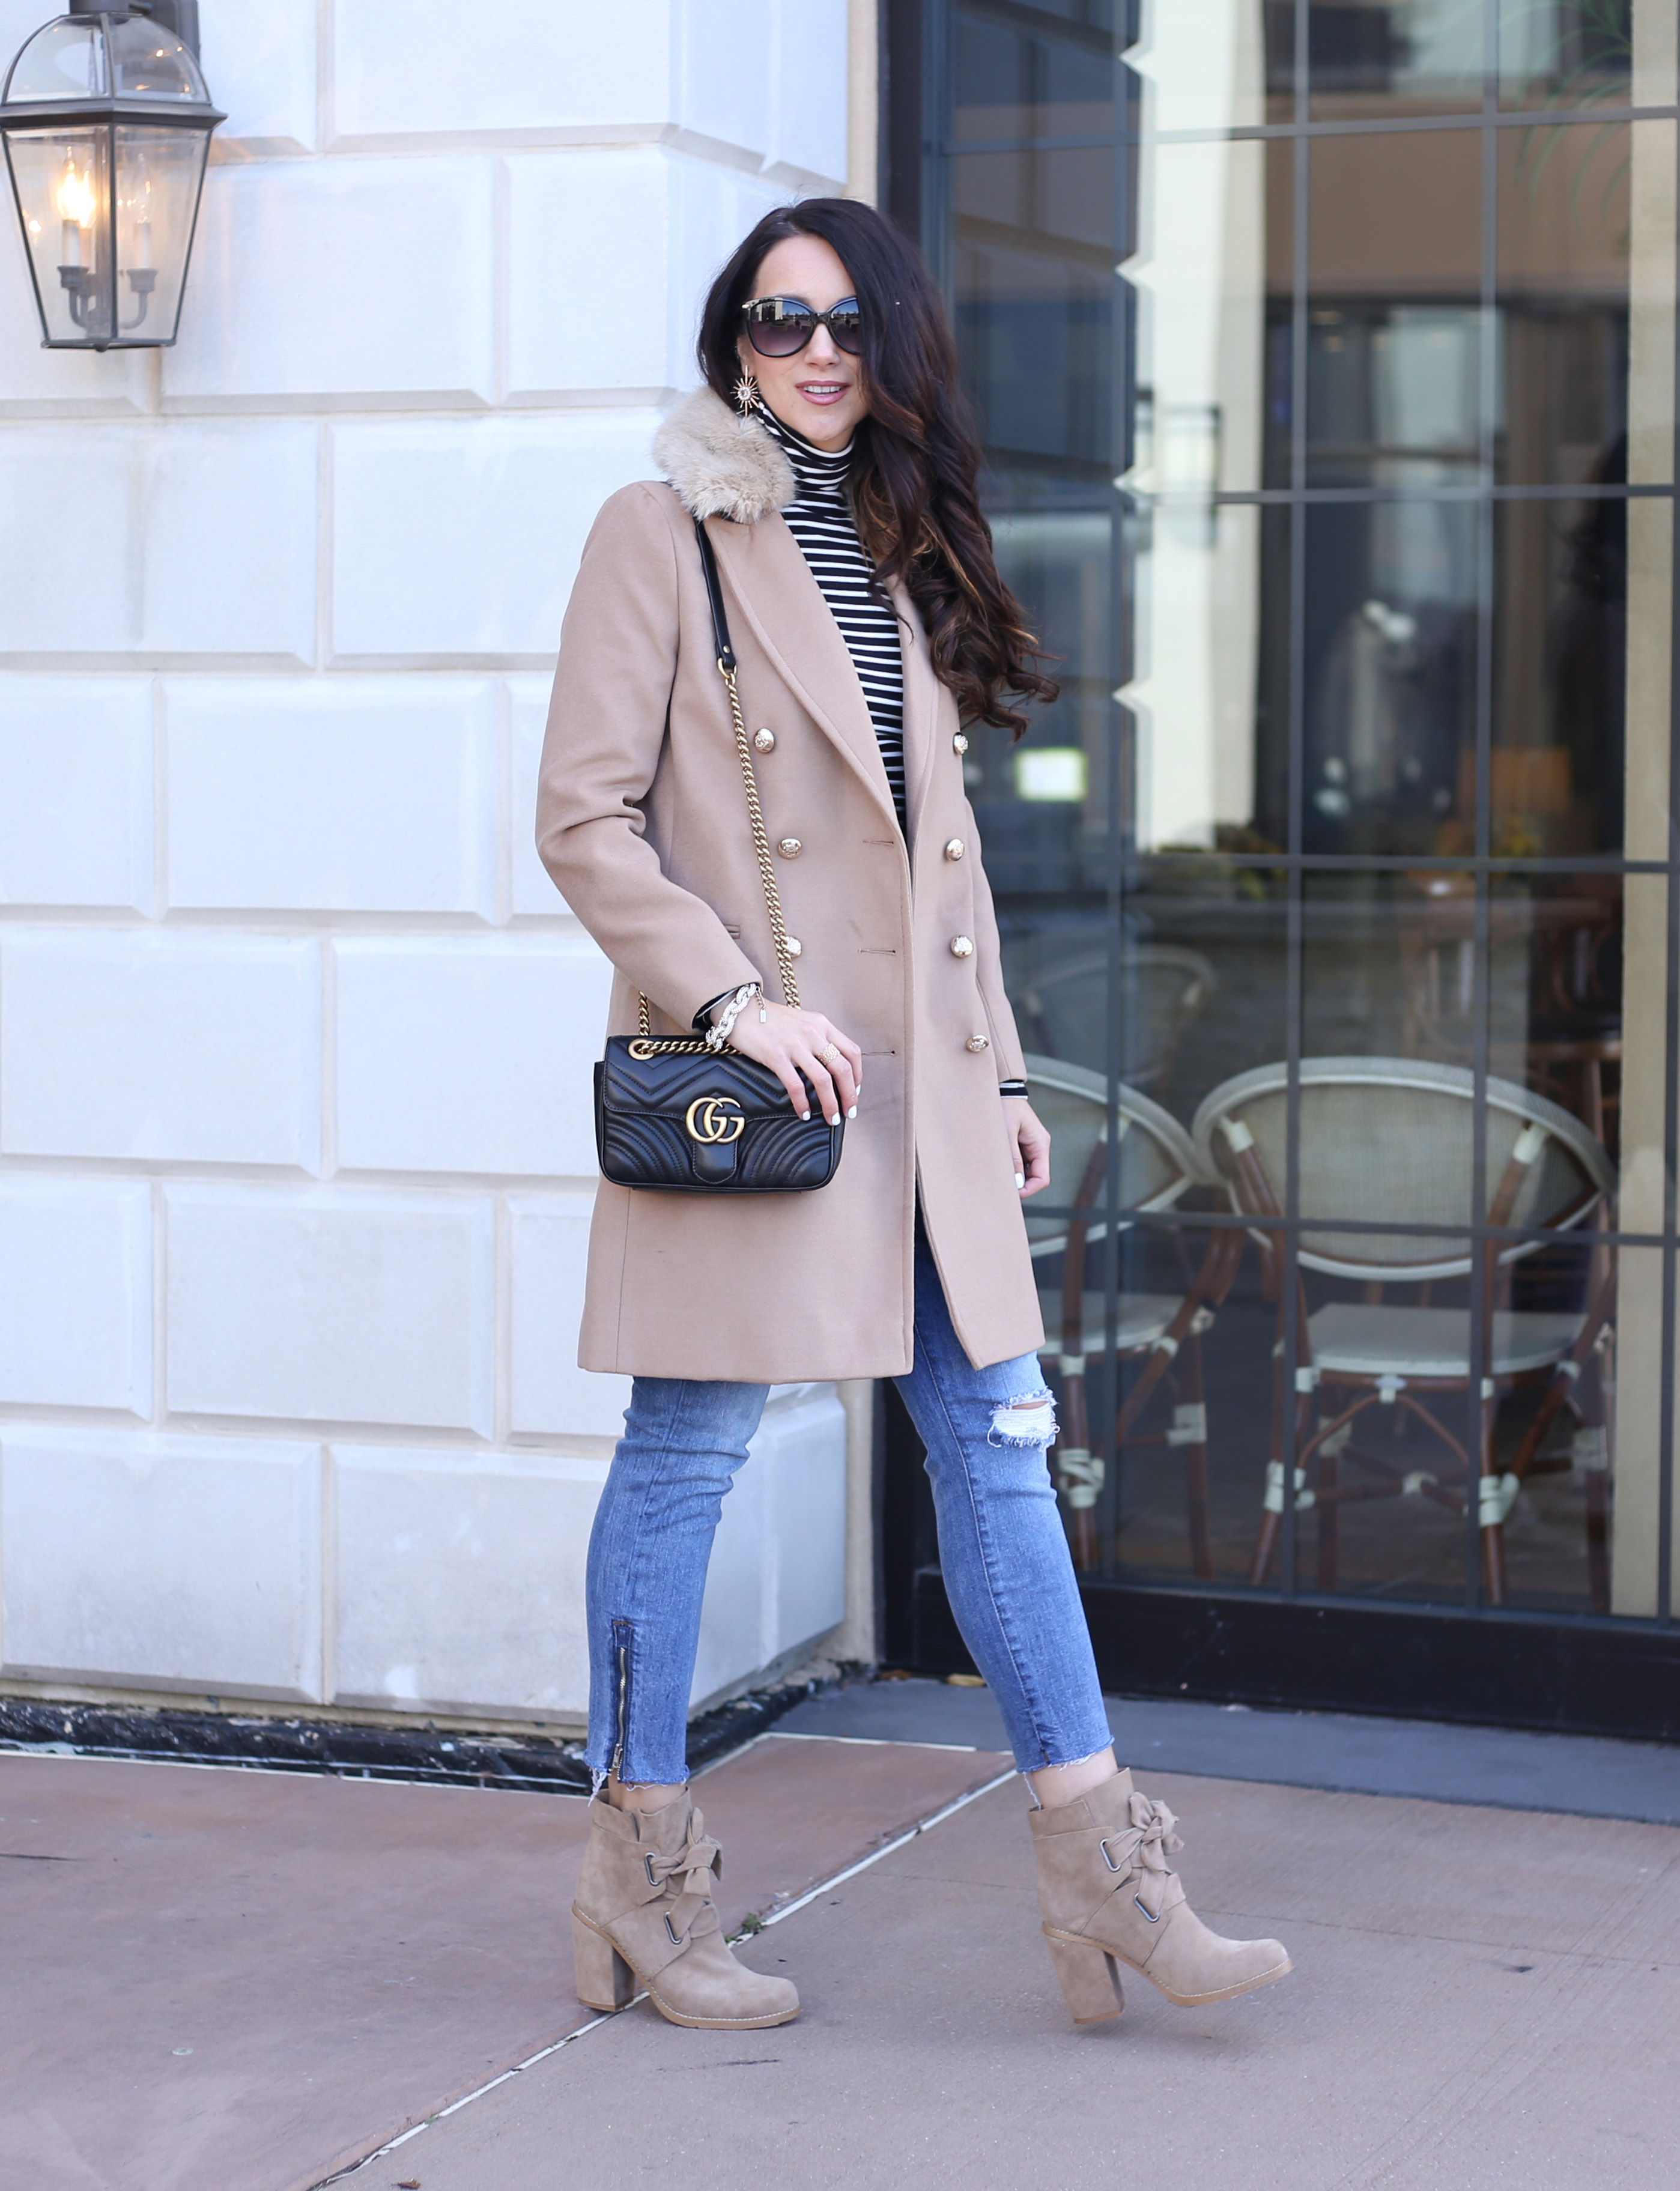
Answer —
846 326
777 329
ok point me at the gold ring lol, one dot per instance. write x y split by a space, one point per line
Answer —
828 1054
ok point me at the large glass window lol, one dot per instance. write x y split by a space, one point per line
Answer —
1325 356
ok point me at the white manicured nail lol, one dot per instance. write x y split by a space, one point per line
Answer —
852 1112
805 1114
1021 1179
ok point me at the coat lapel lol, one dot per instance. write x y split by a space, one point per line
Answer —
922 692
772 584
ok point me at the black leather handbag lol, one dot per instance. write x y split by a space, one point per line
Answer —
693 1116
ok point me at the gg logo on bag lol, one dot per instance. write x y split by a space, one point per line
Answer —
708 1119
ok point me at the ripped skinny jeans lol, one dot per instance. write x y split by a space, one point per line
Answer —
1001 1546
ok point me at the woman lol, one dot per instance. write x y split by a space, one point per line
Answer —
828 456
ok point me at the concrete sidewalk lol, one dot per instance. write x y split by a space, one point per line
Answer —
1481 1999
218 1980
226 1981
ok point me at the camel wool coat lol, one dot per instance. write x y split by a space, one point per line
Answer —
642 821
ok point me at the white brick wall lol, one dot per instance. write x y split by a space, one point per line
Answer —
547 1391
353 794
460 1580
529 890
296 1156
196 1049
770 1582
332 1306
194 539
75 1304
463 1055
544 67
76 821
295 246
168 1563
261 64
457 540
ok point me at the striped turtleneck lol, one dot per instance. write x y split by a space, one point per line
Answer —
820 519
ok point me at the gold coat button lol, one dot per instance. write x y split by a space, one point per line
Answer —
976 1042
765 741
795 947
790 848
959 743
962 946
955 849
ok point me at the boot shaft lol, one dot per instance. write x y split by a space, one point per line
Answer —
629 1851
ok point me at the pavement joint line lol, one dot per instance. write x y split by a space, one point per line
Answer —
822 1887
402 2137
922 1825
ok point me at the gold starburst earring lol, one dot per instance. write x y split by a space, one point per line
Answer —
746 397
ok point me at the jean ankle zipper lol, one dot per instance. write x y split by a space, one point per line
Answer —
617 1767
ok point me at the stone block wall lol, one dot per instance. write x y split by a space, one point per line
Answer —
295 1035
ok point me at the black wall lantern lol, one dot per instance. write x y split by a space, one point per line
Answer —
107 127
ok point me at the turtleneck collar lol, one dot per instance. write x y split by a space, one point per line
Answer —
818 471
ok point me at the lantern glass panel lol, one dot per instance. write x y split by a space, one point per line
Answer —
64 60
157 178
148 62
63 188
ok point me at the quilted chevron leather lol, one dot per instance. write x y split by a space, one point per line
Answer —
643 1106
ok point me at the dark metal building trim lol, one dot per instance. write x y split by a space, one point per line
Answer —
1556 1676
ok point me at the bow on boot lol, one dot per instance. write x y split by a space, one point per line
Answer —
696 1864
1143 1848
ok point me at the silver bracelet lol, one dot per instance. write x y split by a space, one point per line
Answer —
728 1013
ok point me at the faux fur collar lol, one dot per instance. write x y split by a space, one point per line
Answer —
720 464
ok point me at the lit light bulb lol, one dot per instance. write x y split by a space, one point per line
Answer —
137 208
74 198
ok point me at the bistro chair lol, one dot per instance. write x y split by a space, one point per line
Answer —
1161 990
1157 1165
1389 1141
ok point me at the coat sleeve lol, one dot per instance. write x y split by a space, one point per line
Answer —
989 972
605 730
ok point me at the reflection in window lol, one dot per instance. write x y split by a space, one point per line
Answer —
1365 56
1431 56
1325 523
1559 765
1389 673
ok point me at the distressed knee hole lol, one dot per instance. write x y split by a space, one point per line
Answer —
1028 1422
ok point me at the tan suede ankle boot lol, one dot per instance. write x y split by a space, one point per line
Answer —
1109 1896
644 1912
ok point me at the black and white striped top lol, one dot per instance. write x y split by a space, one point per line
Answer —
820 519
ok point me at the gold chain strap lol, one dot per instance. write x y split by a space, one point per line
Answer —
669 1046
772 896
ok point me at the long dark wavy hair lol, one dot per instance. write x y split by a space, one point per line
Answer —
915 481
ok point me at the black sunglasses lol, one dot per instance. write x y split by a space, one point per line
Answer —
780 327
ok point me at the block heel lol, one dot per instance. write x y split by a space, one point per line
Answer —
1090 1978
606 1981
